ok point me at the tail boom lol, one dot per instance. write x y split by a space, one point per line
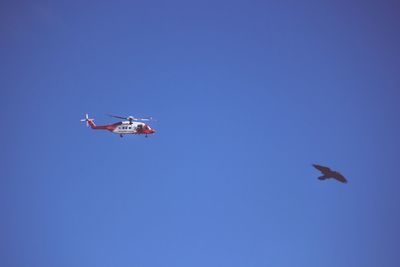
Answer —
90 123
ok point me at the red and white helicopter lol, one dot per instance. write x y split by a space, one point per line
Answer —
131 126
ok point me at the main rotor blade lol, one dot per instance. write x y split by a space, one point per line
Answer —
131 118
145 119
118 117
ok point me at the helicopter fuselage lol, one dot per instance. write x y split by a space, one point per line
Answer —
124 127
133 127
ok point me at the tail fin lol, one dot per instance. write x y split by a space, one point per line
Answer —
89 122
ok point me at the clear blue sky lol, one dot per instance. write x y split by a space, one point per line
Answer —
248 94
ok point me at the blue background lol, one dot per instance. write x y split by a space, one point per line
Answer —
248 94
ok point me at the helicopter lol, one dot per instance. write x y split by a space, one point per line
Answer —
132 125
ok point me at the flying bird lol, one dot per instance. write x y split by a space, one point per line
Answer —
328 173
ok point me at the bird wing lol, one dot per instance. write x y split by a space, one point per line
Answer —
322 168
339 177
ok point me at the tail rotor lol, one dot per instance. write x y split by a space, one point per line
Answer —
86 119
